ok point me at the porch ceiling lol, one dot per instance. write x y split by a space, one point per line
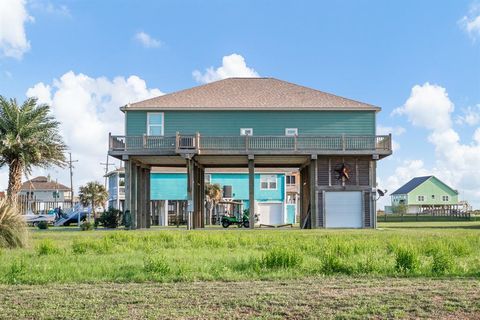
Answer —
293 161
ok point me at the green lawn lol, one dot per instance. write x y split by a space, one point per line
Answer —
125 273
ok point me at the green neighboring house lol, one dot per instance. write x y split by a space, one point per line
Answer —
425 195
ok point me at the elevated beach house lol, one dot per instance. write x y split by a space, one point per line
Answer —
426 194
256 123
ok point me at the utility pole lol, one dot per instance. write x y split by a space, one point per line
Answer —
70 162
106 164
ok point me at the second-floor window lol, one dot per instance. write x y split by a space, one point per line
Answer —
290 180
155 124
268 182
445 198
421 198
246 132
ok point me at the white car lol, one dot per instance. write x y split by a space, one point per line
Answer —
34 219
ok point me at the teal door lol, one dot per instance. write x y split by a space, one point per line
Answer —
291 213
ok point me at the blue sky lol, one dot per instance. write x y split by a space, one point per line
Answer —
372 51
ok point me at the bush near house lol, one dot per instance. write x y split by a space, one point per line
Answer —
110 218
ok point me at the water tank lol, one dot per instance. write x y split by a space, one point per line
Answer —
227 192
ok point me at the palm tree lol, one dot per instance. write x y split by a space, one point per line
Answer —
29 137
93 194
213 194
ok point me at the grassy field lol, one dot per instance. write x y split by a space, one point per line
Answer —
400 270
311 298
429 250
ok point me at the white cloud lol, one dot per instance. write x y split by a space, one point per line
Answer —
428 106
88 109
471 116
146 40
13 39
49 8
470 23
456 163
233 65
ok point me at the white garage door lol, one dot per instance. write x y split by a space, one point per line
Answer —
270 213
343 209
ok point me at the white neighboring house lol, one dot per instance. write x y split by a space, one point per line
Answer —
116 188
42 193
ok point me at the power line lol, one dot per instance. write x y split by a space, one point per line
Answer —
106 164
70 166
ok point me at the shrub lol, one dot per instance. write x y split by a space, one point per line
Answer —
442 262
406 260
156 265
47 247
331 263
281 258
42 225
13 229
17 270
86 226
110 218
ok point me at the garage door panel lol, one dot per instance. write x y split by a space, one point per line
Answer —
343 209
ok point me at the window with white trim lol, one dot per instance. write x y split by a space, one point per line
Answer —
291 179
291 131
155 123
268 182
246 131
421 198
445 198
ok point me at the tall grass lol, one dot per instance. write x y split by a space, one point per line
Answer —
13 229
231 255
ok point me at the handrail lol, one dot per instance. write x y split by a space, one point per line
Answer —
197 142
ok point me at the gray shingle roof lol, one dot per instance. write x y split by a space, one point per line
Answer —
42 183
248 94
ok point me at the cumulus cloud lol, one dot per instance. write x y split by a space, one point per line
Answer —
395 131
428 106
456 163
13 39
88 109
470 23
146 40
233 65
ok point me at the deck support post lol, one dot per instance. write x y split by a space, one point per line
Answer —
138 196
251 190
313 191
133 195
190 191
128 190
148 213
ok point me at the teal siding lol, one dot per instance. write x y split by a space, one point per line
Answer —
168 186
239 183
173 186
228 123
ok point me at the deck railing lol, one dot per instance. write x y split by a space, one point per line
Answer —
194 143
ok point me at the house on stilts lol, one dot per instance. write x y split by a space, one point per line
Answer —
254 123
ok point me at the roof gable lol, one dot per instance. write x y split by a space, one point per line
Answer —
42 183
410 185
416 182
248 94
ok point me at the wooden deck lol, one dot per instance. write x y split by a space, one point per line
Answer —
243 145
